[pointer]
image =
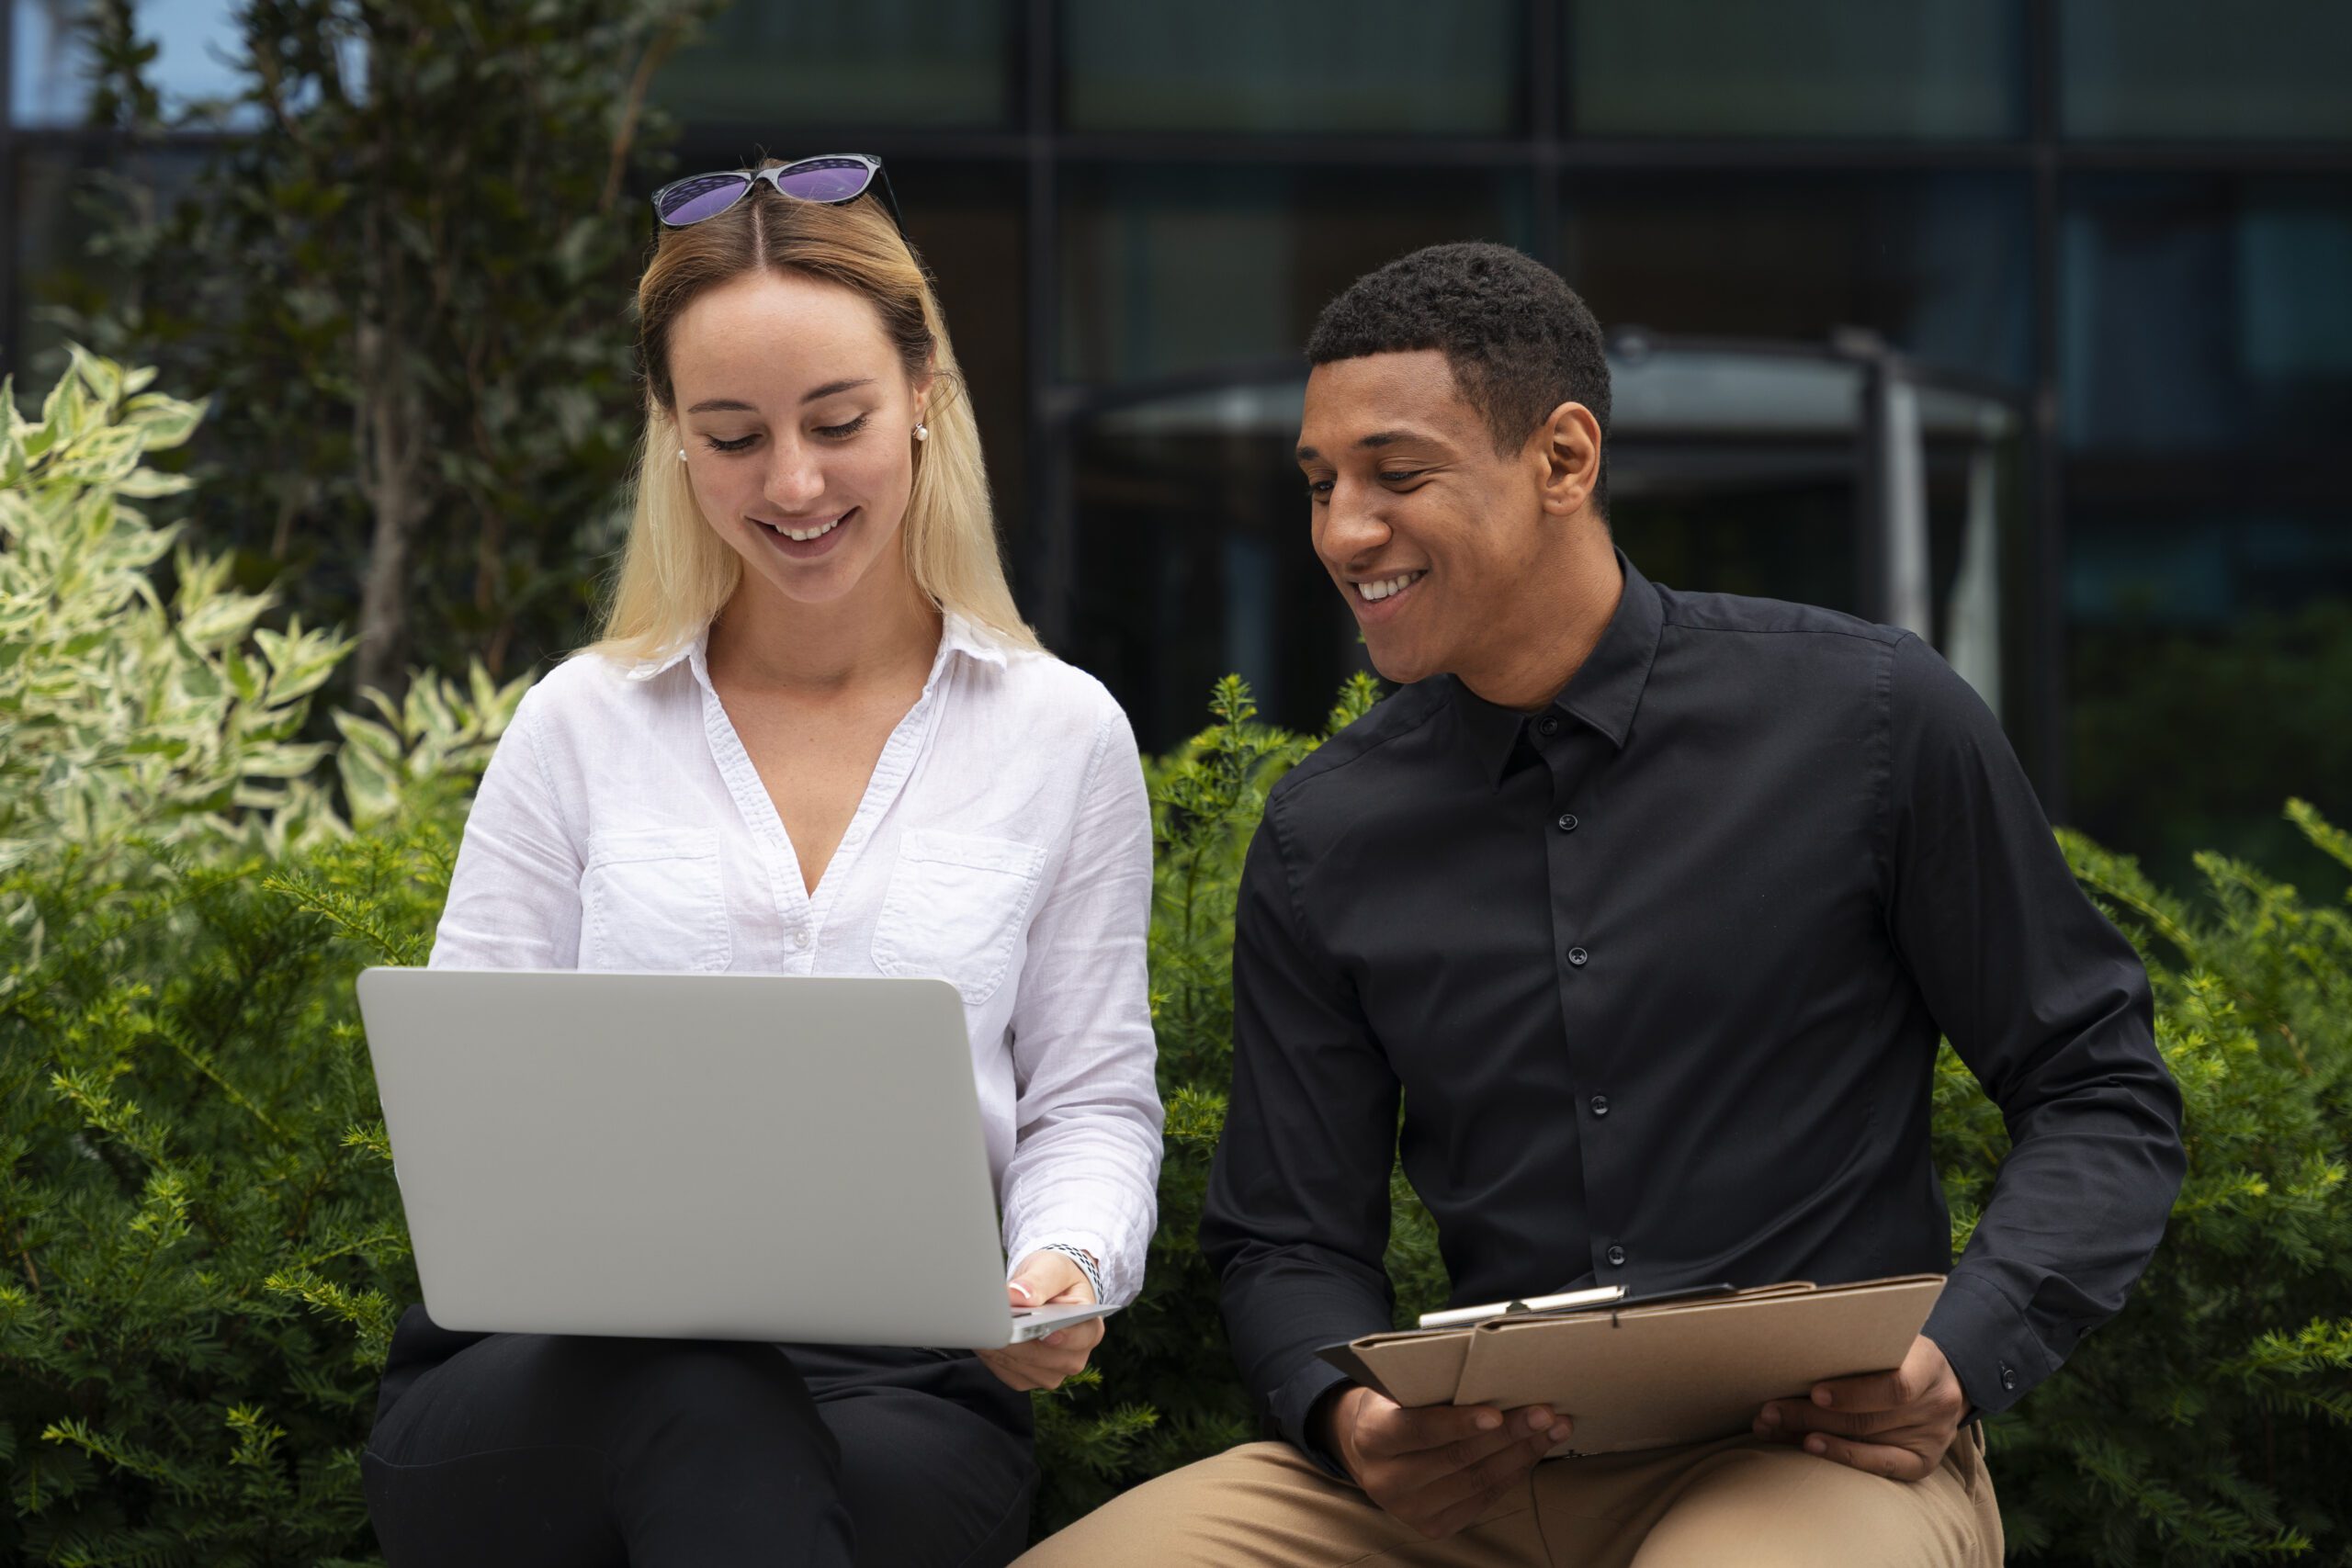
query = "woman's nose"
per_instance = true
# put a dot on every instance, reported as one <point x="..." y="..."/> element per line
<point x="793" y="478"/>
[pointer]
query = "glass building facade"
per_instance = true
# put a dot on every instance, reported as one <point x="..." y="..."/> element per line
<point x="2126" y="222"/>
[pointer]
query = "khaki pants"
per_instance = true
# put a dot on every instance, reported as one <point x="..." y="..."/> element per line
<point x="1739" y="1501"/>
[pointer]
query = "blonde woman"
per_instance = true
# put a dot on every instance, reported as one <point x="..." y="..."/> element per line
<point x="815" y="737"/>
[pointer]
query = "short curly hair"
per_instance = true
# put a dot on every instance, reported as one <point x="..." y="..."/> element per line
<point x="1519" y="339"/>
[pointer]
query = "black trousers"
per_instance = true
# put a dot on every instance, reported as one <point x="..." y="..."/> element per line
<point x="522" y="1449"/>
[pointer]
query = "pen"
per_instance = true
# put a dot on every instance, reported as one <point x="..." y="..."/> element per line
<point x="1462" y="1317"/>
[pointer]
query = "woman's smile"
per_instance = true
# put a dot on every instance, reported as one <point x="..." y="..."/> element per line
<point x="805" y="538"/>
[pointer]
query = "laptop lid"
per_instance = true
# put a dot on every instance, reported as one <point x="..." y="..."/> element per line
<point x="732" y="1157"/>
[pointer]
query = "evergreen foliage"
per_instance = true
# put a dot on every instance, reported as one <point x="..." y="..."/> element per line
<point x="202" y="1252"/>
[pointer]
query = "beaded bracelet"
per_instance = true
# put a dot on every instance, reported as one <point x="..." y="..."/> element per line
<point x="1085" y="1264"/>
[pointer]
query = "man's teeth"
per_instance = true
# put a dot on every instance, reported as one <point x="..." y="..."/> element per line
<point x="1382" y="589"/>
<point x="802" y="537"/>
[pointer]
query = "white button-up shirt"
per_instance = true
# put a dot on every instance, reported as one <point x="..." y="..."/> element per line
<point x="1003" y="844"/>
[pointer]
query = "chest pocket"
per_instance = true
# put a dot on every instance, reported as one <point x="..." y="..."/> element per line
<point x="651" y="899"/>
<point x="954" y="909"/>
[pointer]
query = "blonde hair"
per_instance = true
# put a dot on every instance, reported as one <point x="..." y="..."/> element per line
<point x="675" y="572"/>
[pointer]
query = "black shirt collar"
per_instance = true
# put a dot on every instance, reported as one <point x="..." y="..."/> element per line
<point x="1603" y="693"/>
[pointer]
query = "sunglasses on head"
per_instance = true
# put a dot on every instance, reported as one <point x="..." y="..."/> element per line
<point x="830" y="180"/>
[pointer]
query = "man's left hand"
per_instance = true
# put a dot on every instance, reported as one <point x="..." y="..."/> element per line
<point x="1895" y="1424"/>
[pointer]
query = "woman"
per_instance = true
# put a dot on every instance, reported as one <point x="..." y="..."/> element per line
<point x="815" y="737"/>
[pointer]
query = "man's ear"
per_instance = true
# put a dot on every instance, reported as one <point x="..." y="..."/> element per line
<point x="1570" y="443"/>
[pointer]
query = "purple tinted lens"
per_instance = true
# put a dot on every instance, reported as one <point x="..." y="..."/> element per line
<point x="825" y="182"/>
<point x="692" y="200"/>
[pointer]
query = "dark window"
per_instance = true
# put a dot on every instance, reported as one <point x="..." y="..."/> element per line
<point x="1243" y="66"/>
<point x="2206" y="312"/>
<point x="1821" y="68"/>
<point x="823" y="67"/>
<point x="1187" y="268"/>
<point x="2183" y="69"/>
<point x="1940" y="265"/>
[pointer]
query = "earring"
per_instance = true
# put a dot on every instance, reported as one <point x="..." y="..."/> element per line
<point x="923" y="432"/>
<point x="682" y="454"/>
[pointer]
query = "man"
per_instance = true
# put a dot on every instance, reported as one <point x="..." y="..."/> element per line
<point x="1651" y="907"/>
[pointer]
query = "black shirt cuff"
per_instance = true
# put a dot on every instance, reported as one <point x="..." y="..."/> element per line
<point x="1997" y="1358"/>
<point x="1296" y="1405"/>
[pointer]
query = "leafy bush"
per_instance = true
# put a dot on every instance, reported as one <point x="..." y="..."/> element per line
<point x="203" y="1243"/>
<point x="202" y="1249"/>
<point x="120" y="714"/>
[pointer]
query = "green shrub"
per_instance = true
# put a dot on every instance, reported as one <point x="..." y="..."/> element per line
<point x="202" y="1249"/>
<point x="119" y="712"/>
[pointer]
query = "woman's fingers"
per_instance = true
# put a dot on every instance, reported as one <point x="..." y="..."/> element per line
<point x="1047" y="1276"/>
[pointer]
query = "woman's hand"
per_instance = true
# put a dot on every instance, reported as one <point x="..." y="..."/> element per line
<point x="1045" y="1277"/>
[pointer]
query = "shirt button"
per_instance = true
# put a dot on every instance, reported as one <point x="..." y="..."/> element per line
<point x="800" y="939"/>
<point x="1566" y="821"/>
<point x="1616" y="1257"/>
<point x="1576" y="955"/>
<point x="1547" y="725"/>
<point x="1601" y="1105"/>
<point x="2009" y="1376"/>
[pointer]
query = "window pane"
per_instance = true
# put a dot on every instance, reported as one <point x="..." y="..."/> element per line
<point x="2206" y="377"/>
<point x="878" y="62"/>
<point x="1939" y="265"/>
<point x="1929" y="68"/>
<point x="2193" y="68"/>
<point x="197" y="43"/>
<point x="1300" y="66"/>
<point x="2208" y="312"/>
<point x="1167" y="270"/>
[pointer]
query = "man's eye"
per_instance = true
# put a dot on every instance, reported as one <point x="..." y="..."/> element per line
<point x="738" y="445"/>
<point x="1399" y="478"/>
<point x="1318" y="488"/>
<point x="842" y="432"/>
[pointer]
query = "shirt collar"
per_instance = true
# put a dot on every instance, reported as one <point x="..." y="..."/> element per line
<point x="1602" y="694"/>
<point x="957" y="634"/>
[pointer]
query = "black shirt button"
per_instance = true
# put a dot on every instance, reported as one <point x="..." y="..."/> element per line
<point x="2009" y="1376"/>
<point x="1547" y="725"/>
<point x="1616" y="1257"/>
<point x="1576" y="955"/>
<point x="1566" y="821"/>
<point x="1601" y="1105"/>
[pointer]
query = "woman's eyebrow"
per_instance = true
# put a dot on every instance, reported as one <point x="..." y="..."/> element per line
<point x="832" y="388"/>
<point x="737" y="405"/>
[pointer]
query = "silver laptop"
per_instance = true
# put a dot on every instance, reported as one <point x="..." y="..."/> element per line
<point x="724" y="1156"/>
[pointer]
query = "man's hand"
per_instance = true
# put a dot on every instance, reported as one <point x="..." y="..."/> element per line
<point x="1895" y="1424"/>
<point x="1439" y="1468"/>
<point x="1043" y="1278"/>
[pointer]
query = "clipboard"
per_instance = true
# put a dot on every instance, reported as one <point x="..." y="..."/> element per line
<point x="1648" y="1376"/>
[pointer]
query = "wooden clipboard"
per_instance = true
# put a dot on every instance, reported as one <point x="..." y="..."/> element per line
<point x="1652" y="1376"/>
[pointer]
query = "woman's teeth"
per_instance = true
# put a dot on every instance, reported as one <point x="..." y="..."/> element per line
<point x="1385" y="586"/>
<point x="804" y="535"/>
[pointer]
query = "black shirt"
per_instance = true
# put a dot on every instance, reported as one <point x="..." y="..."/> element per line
<point x="1659" y="976"/>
